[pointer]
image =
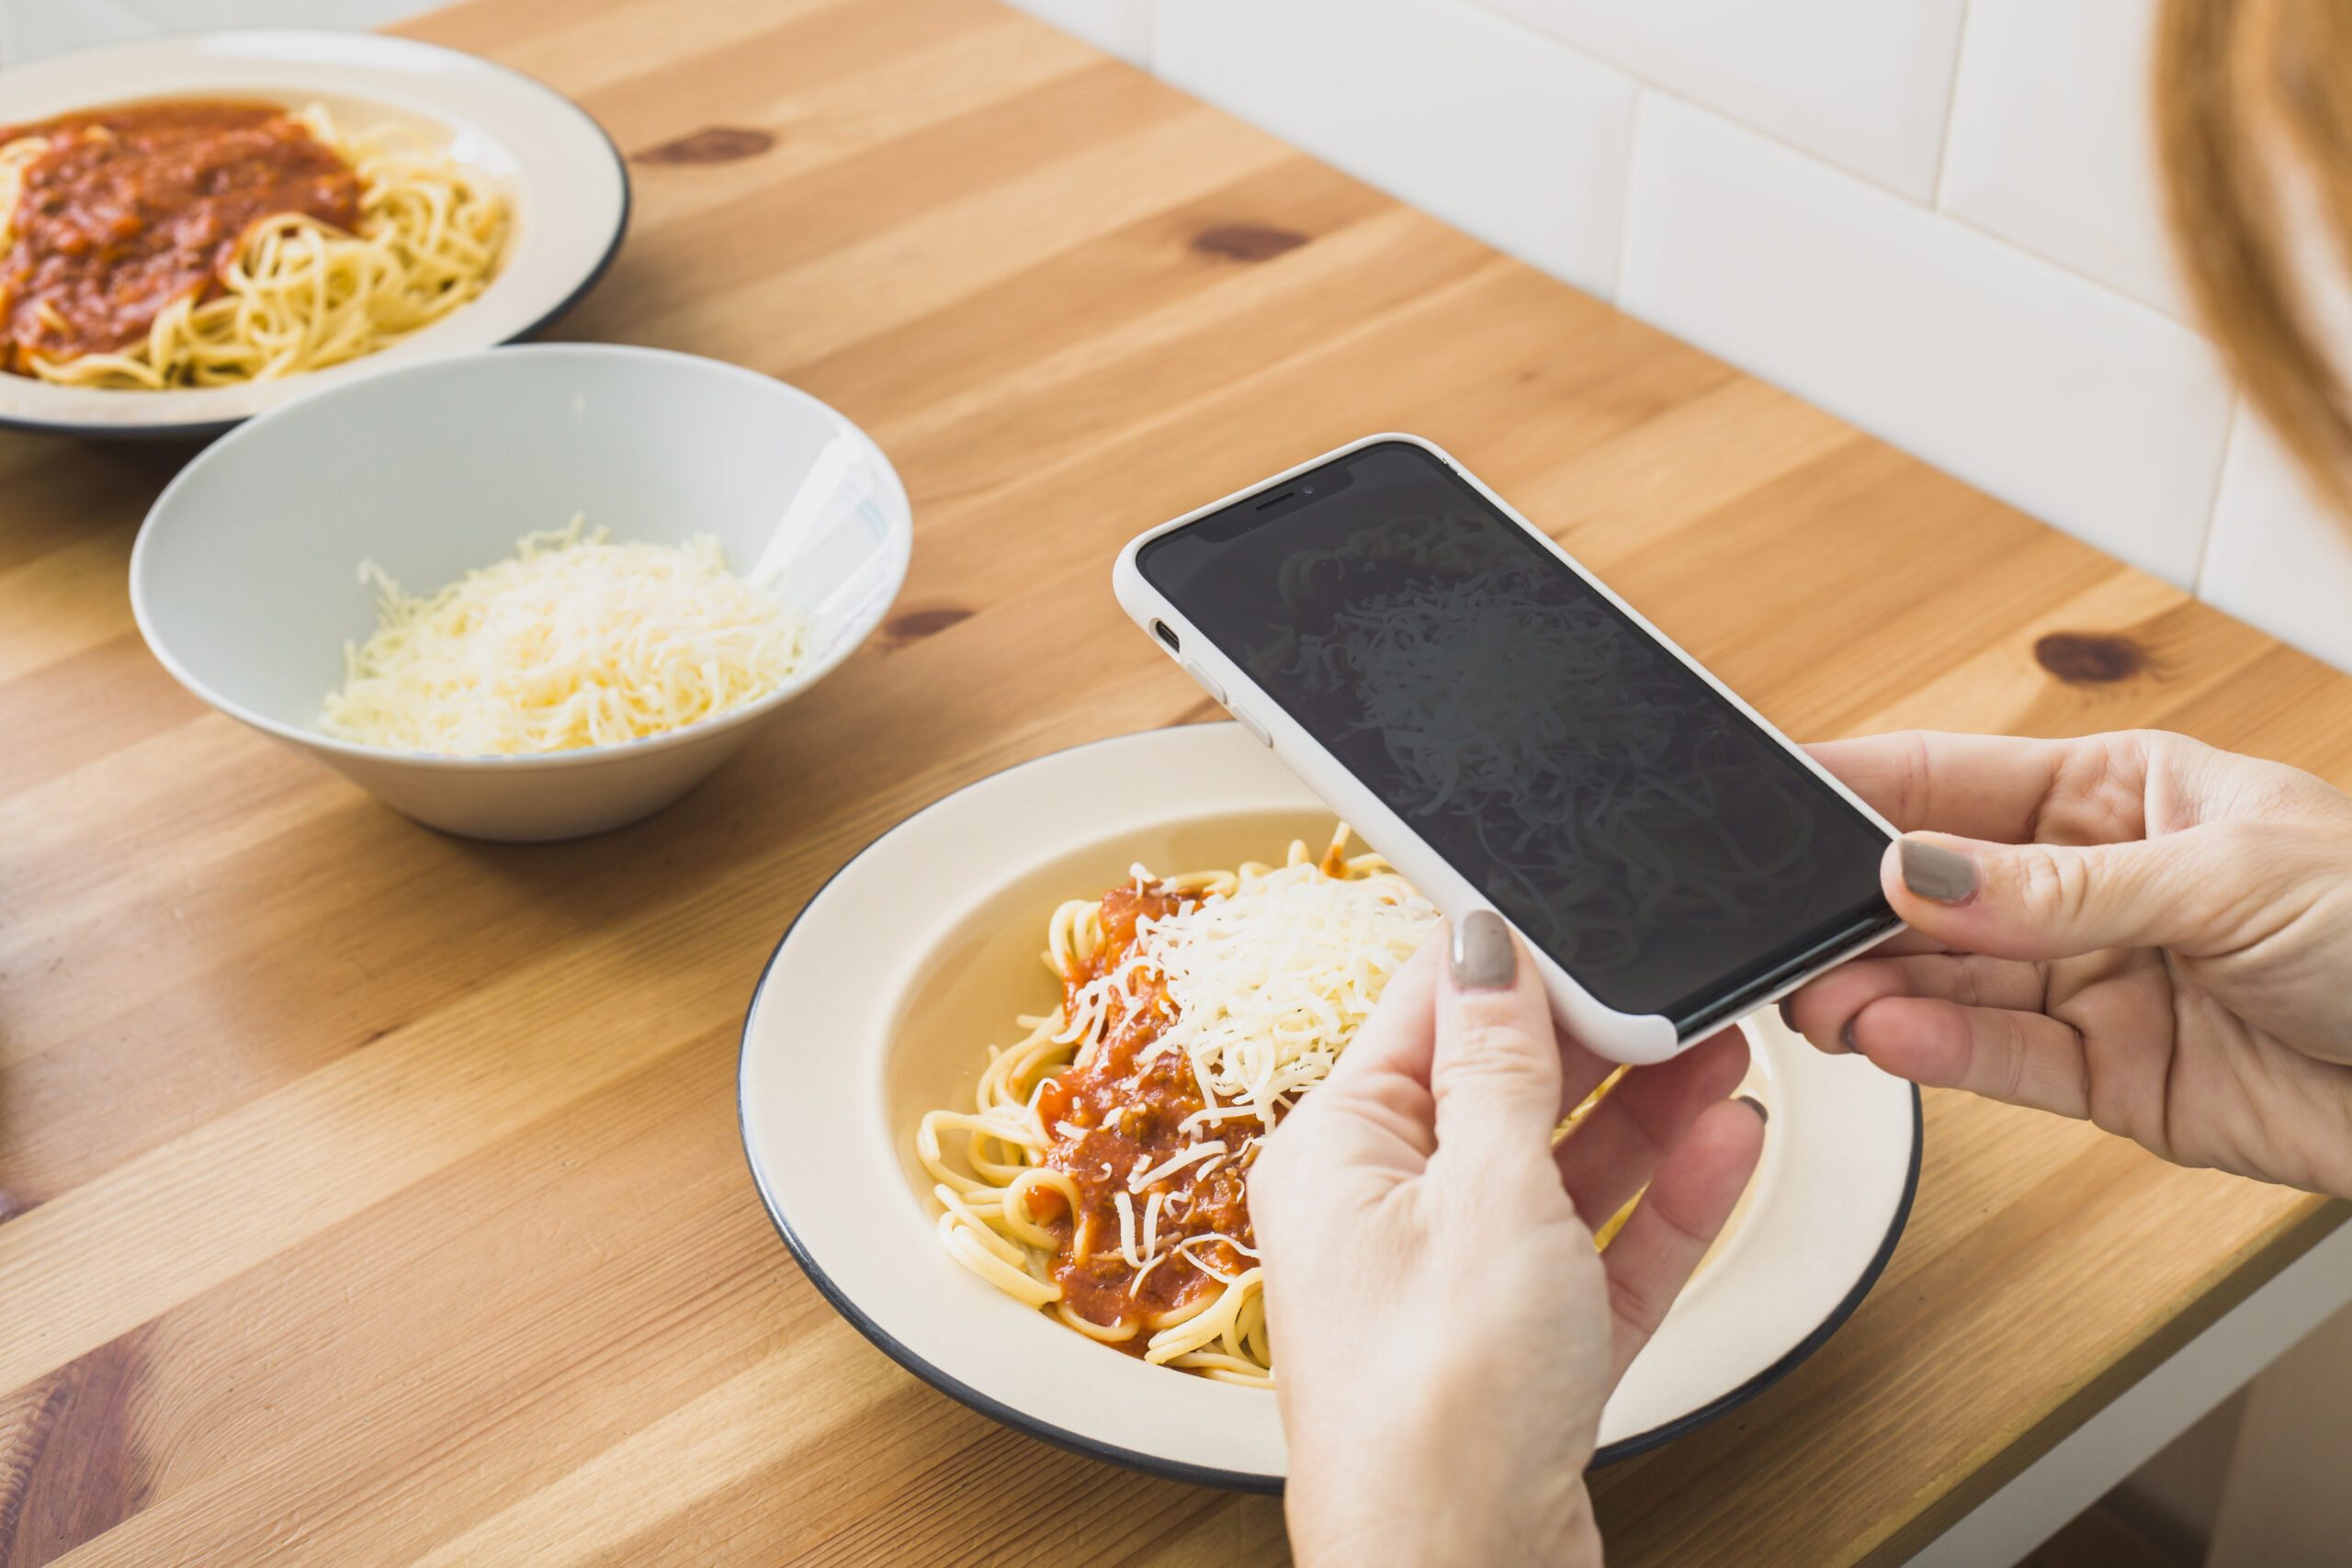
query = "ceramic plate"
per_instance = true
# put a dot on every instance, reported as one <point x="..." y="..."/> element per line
<point x="883" y="997"/>
<point x="563" y="175"/>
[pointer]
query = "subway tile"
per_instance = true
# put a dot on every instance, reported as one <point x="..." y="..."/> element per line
<point x="2052" y="141"/>
<point x="1115" y="27"/>
<point x="1864" y="83"/>
<point x="2067" y="400"/>
<point x="2278" y="557"/>
<point x="1506" y="136"/>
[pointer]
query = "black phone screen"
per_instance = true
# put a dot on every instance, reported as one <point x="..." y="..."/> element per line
<point x="1663" y="850"/>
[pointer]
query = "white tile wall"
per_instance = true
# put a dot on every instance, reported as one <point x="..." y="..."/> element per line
<point x="2063" y="397"/>
<point x="2050" y="142"/>
<point x="2276" y="556"/>
<point x="1937" y="218"/>
<point x="1504" y="134"/>
<point x="1862" y="82"/>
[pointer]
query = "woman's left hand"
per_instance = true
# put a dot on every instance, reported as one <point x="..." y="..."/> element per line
<point x="1445" y="1331"/>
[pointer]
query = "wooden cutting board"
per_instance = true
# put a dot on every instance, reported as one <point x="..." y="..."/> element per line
<point x="368" y="1196"/>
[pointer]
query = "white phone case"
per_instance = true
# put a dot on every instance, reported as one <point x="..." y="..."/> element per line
<point x="1636" y="1038"/>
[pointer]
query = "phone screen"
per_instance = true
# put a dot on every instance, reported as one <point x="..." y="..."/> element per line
<point x="1663" y="850"/>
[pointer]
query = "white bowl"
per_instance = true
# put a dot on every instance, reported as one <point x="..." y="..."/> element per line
<point x="883" y="997"/>
<point x="245" y="578"/>
<point x="567" y="181"/>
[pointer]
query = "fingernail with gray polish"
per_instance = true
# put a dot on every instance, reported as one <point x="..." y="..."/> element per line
<point x="1756" y="1105"/>
<point x="1934" y="872"/>
<point x="1484" y="959"/>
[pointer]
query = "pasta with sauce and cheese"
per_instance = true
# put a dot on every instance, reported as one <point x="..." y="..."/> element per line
<point x="1104" y="1170"/>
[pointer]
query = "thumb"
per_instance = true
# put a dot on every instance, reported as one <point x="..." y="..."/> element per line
<point x="1495" y="1071"/>
<point x="2037" y="901"/>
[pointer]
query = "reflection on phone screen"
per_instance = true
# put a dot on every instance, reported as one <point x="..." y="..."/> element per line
<point x="1631" y="822"/>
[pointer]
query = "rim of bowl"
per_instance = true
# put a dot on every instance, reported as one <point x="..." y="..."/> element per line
<point x="902" y="531"/>
<point x="198" y="429"/>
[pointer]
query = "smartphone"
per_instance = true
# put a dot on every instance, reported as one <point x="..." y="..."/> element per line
<point x="1512" y="736"/>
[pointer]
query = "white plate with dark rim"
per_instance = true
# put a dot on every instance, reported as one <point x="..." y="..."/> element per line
<point x="880" y="1002"/>
<point x="567" y="182"/>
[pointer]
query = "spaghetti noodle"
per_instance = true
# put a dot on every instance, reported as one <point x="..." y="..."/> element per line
<point x="1104" y="1165"/>
<point x="200" y="244"/>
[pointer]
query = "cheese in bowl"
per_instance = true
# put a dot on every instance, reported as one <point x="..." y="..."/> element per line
<point x="579" y="682"/>
<point x="570" y="642"/>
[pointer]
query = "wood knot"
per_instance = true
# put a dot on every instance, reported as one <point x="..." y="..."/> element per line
<point x="711" y="144"/>
<point x="916" y="624"/>
<point x="71" y="1464"/>
<point x="2090" y="659"/>
<point x="1246" y="242"/>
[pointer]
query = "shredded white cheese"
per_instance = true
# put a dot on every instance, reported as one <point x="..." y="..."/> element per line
<point x="1184" y="1249"/>
<point x="1173" y="1164"/>
<point x="1211" y="1270"/>
<point x="1127" y="1230"/>
<point x="570" y="642"/>
<point x="1269" y="983"/>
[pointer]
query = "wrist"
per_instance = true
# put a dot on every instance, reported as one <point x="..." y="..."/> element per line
<point x="1396" y="1489"/>
<point x="1358" y="1525"/>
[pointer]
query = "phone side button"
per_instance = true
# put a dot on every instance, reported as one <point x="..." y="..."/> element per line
<point x="1241" y="716"/>
<point x="1201" y="679"/>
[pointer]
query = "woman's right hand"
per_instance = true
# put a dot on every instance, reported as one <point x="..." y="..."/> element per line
<point x="2135" y="928"/>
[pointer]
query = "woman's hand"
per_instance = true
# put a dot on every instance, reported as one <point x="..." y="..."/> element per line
<point x="2136" y="929"/>
<point x="1444" y="1331"/>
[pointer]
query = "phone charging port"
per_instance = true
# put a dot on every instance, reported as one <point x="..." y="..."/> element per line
<point x="1159" y="629"/>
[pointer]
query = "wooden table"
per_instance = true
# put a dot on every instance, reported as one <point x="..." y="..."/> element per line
<point x="374" y="1197"/>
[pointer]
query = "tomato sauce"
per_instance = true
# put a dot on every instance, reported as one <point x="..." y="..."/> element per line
<point x="1116" y="1111"/>
<point x="130" y="210"/>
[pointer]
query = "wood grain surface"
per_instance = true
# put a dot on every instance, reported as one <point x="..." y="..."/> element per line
<point x="373" y="1197"/>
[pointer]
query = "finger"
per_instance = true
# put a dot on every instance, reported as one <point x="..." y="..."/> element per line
<point x="1581" y="1071"/>
<point x="1821" y="1011"/>
<point x="2061" y="900"/>
<point x="2019" y="1058"/>
<point x="1618" y="1147"/>
<point x="1399" y="1036"/>
<point x="1987" y="787"/>
<point x="1380" y="1086"/>
<point x="1496" y="1070"/>
<point x="1670" y="1229"/>
<point x="1904" y="942"/>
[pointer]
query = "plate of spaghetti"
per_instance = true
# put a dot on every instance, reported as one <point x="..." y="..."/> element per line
<point x="1005" y="1078"/>
<point x="195" y="228"/>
